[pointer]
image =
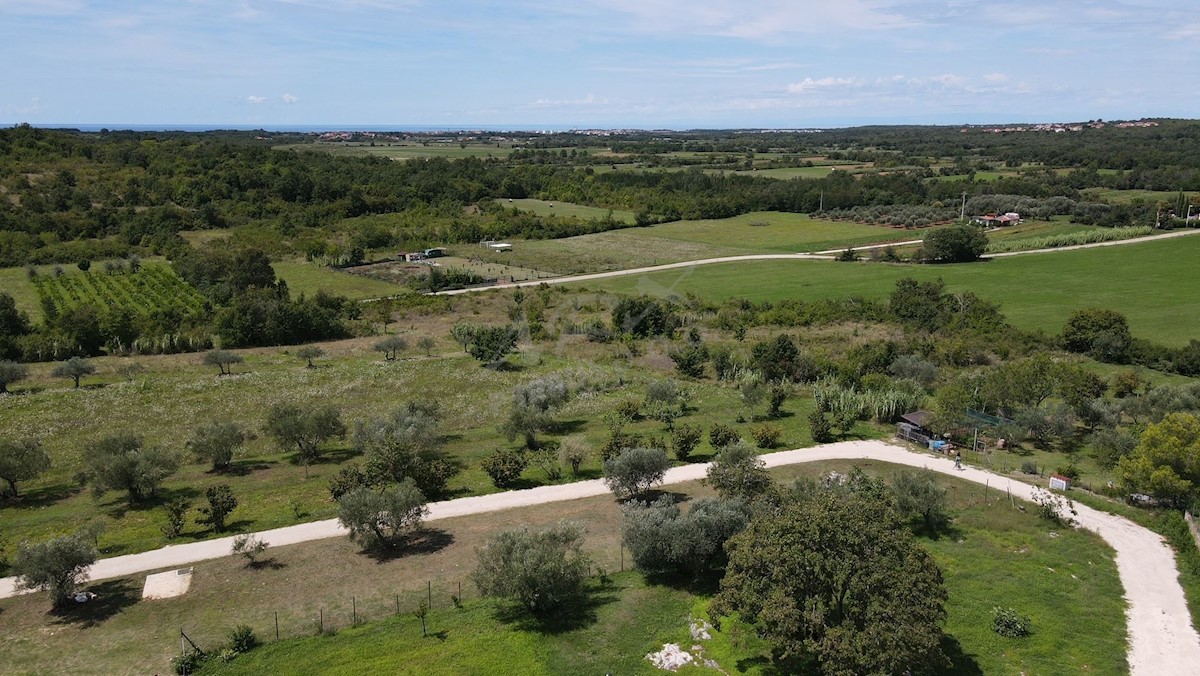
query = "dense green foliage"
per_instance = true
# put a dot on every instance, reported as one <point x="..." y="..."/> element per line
<point x="57" y="565"/>
<point x="834" y="579"/>
<point x="377" y="519"/>
<point x="544" y="571"/>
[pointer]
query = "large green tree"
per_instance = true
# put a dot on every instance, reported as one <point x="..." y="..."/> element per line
<point x="123" y="462"/>
<point x="58" y="565"/>
<point x="834" y="580"/>
<point x="1166" y="463"/>
<point x="304" y="428"/>
<point x="954" y="244"/>
<point x="21" y="460"/>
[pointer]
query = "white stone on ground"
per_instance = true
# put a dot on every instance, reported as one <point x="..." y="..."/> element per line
<point x="671" y="657"/>
<point x="167" y="585"/>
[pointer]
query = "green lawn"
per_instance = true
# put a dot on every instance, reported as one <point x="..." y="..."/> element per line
<point x="760" y="232"/>
<point x="15" y="282"/>
<point x="308" y="278"/>
<point x="1128" y="196"/>
<point x="1145" y="281"/>
<point x="566" y="209"/>
<point x="994" y="555"/>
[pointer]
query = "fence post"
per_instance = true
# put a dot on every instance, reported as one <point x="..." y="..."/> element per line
<point x="429" y="593"/>
<point x="353" y="611"/>
<point x="321" y="623"/>
<point x="622" y="558"/>
<point x="397" y="604"/>
<point x="276" y="625"/>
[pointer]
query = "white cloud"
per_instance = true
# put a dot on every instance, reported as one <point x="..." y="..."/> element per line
<point x="995" y="78"/>
<point x="42" y="7"/>
<point x="289" y="98"/>
<point x="32" y="108"/>
<point x="256" y="100"/>
<point x="809" y="85"/>
<point x="758" y="20"/>
<point x="589" y="100"/>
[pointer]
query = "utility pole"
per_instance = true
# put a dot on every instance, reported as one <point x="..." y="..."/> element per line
<point x="822" y="201"/>
<point x="962" y="216"/>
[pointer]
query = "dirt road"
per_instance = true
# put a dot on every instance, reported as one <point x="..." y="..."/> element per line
<point x="1161" y="637"/>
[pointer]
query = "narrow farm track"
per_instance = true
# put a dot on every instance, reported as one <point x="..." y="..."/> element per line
<point x="819" y="255"/>
<point x="1162" y="639"/>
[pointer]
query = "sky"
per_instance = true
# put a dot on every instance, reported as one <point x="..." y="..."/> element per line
<point x="524" y="64"/>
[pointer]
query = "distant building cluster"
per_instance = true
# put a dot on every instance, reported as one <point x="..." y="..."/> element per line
<point x="1059" y="128"/>
<point x="997" y="220"/>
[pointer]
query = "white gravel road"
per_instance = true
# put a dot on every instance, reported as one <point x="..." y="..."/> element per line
<point x="1162" y="639"/>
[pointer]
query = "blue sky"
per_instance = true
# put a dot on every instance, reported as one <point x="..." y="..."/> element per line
<point x="595" y="63"/>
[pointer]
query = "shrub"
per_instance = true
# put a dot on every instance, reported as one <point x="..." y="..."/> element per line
<point x="1010" y="624"/>
<point x="1054" y="508"/>
<point x="572" y="453"/>
<point x="505" y="466"/>
<point x="221" y="502"/>
<point x="684" y="439"/>
<point x="543" y="571"/>
<point x="242" y="639"/>
<point x="629" y="408"/>
<point x="819" y="427"/>
<point x="249" y="546"/>
<point x="766" y="435"/>
<point x="662" y="539"/>
<point x="737" y="472"/>
<point x="189" y="662"/>
<point x="920" y="497"/>
<point x="635" y="470"/>
<point x="1030" y="467"/>
<point x="176" y="517"/>
<point x="721" y="436"/>
<point x="217" y="443"/>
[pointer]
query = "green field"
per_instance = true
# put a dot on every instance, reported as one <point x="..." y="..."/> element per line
<point x="761" y="232"/>
<point x="153" y="287"/>
<point x="309" y="278"/>
<point x="566" y="209"/>
<point x="994" y="556"/>
<point x="1145" y="281"/>
<point x="15" y="282"/>
<point x="1129" y="196"/>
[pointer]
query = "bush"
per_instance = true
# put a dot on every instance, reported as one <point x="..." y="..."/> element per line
<point x="187" y="663"/>
<point x="1054" y="508"/>
<point x="121" y="462"/>
<point x="250" y="546"/>
<point x="737" y="472"/>
<point x="628" y="408"/>
<point x="572" y="453"/>
<point x="819" y="427"/>
<point x="505" y="466"/>
<point x="543" y="571"/>
<point x="684" y="439"/>
<point x="176" y="517"/>
<point x="1010" y="624"/>
<point x="1030" y="467"/>
<point x="221" y="502"/>
<point x="766" y="435"/>
<point x="217" y="443"/>
<point x="721" y="436"/>
<point x="635" y="471"/>
<point x="242" y="639"/>
<point x="920" y="497"/>
<point x="662" y="539"/>
<point x="954" y="244"/>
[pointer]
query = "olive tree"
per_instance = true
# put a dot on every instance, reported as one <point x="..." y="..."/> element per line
<point x="304" y="428"/>
<point x="532" y="407"/>
<point x="74" y="368"/>
<point x="543" y="571"/>
<point x="391" y="347"/>
<point x="222" y="359"/>
<point x="635" y="470"/>
<point x="221" y="501"/>
<point x="58" y="565"/>
<point x="664" y="539"/>
<point x="11" y="372"/>
<point x="217" y="443"/>
<point x="407" y="444"/>
<point x="919" y="497"/>
<point x="21" y="460"/>
<point x="308" y="353"/>
<point x="123" y="462"/>
<point x="377" y="519"/>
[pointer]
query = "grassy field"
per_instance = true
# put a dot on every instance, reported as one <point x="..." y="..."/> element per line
<point x="174" y="394"/>
<point x="309" y="278"/>
<point x="1128" y="196"/>
<point x="566" y="209"/>
<point x="1035" y="292"/>
<point x="761" y="232"/>
<point x="802" y="172"/>
<point x="993" y="556"/>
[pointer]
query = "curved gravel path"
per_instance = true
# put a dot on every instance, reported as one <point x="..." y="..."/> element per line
<point x="817" y="256"/>
<point x="1162" y="639"/>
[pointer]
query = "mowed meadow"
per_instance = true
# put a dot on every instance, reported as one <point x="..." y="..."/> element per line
<point x="1154" y="284"/>
<point x="992" y="555"/>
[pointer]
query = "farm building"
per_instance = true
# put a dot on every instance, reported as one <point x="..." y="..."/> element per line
<point x="500" y="246"/>
<point x="436" y="252"/>
<point x="1010" y="218"/>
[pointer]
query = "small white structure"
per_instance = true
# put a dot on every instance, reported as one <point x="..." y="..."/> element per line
<point x="1059" y="482"/>
<point x="500" y="246"/>
<point x="167" y="585"/>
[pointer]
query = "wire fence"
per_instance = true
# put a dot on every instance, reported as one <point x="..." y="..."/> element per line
<point x="330" y="614"/>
